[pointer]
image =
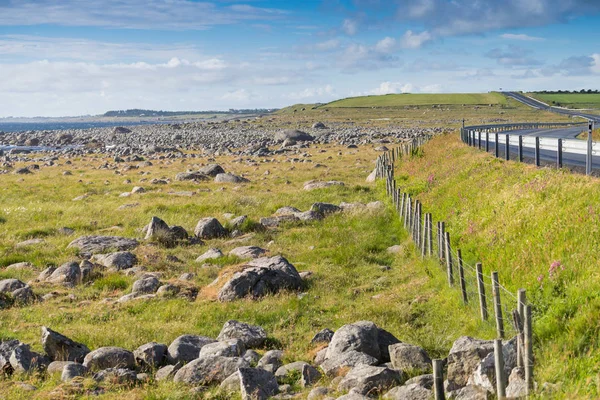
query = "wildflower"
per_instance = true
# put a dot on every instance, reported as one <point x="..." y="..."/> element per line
<point x="540" y="278"/>
<point x="554" y="268"/>
<point x="430" y="179"/>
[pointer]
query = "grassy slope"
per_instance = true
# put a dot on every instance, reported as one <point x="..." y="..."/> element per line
<point x="570" y="100"/>
<point x="398" y="100"/>
<point x="518" y="220"/>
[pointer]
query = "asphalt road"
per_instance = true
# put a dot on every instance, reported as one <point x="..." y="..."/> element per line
<point x="541" y="106"/>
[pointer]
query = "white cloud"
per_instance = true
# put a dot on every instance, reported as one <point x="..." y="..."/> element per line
<point x="328" y="45"/>
<point x="411" y="40"/>
<point x="323" y="93"/>
<point x="239" y="95"/>
<point x="392" y="88"/>
<point x="596" y="66"/>
<point x="386" y="45"/>
<point x="522" y="37"/>
<point x="350" y="27"/>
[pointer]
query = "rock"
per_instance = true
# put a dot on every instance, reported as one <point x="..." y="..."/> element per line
<point x="120" y="260"/>
<point x="191" y="176"/>
<point x="323" y="336"/>
<point x="68" y="274"/>
<point x="102" y="244"/>
<point x="257" y="384"/>
<point x="407" y="357"/>
<point x="422" y="380"/>
<point x="309" y="215"/>
<point x="293" y="134"/>
<point x="210" y="255"/>
<point x="320" y="356"/>
<point x="484" y="374"/>
<point x="157" y="229"/>
<point x="251" y="356"/>
<point x="56" y="367"/>
<point x="246" y="252"/>
<point x="360" y="336"/>
<point x="138" y="189"/>
<point x="10" y="285"/>
<point x="271" y="222"/>
<point x="71" y="371"/>
<point x="61" y="348"/>
<point x="318" y="393"/>
<point x="312" y="185"/>
<point x="212" y="170"/>
<point x="325" y="208"/>
<point x="19" y="266"/>
<point x="309" y="375"/>
<point x="372" y="176"/>
<point x="23" y="360"/>
<point x="470" y="392"/>
<point x="167" y="372"/>
<point x="151" y="355"/>
<point x="66" y="231"/>
<point x="148" y="284"/>
<point x="23" y="296"/>
<point x="231" y="384"/>
<point x="230" y="178"/>
<point x="409" y="392"/>
<point x="22" y="171"/>
<point x="396" y="249"/>
<point x="319" y="125"/>
<point x="287" y="210"/>
<point x="135" y="296"/>
<point x="385" y="340"/>
<point x="168" y="290"/>
<point x="120" y="376"/>
<point x="370" y="380"/>
<point x="252" y="336"/>
<point x="464" y="357"/>
<point x="225" y="348"/>
<point x="120" y="129"/>
<point x="30" y="242"/>
<point x="353" y="396"/>
<point x="271" y="361"/>
<point x="205" y="371"/>
<point x="186" y="348"/>
<point x="209" y="228"/>
<point x="517" y="387"/>
<point x="109" y="357"/>
<point x="333" y="365"/>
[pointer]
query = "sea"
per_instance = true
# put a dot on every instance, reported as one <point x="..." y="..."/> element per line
<point x="52" y="126"/>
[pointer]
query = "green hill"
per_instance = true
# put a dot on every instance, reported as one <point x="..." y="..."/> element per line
<point x="400" y="100"/>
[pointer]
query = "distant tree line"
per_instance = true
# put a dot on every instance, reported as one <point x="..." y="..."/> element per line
<point x="153" y="113"/>
<point x="582" y="91"/>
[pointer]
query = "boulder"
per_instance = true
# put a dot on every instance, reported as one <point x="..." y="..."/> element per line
<point x="230" y="178"/>
<point x="247" y="252"/>
<point x="312" y="185"/>
<point x="120" y="376"/>
<point x="210" y="254"/>
<point x="272" y="222"/>
<point x="325" y="208"/>
<point x="517" y="387"/>
<point x="252" y="336"/>
<point x="157" y="229"/>
<point x="109" y="357"/>
<point x="151" y="355"/>
<point x="119" y="261"/>
<point x="191" y="176"/>
<point x="231" y="384"/>
<point x="319" y="125"/>
<point x="212" y="170"/>
<point x="73" y="370"/>
<point x="293" y="134"/>
<point x="257" y="384"/>
<point x="56" y="367"/>
<point x="370" y="380"/>
<point x="385" y="340"/>
<point x="208" y="370"/>
<point x="271" y="360"/>
<point x="334" y="364"/>
<point x="360" y="336"/>
<point x="287" y="210"/>
<point x="61" y="348"/>
<point x="23" y="296"/>
<point x="323" y="336"/>
<point x="68" y="274"/>
<point x="407" y="357"/>
<point x="309" y="215"/>
<point x="261" y="277"/>
<point x="186" y="348"/>
<point x="484" y="374"/>
<point x="412" y="391"/>
<point x="225" y="348"/>
<point x="209" y="228"/>
<point x="470" y="392"/>
<point x="147" y="284"/>
<point x="10" y="285"/>
<point x="167" y="372"/>
<point x="23" y="360"/>
<point x="102" y="244"/>
<point x="372" y="176"/>
<point x="309" y="375"/>
<point x="464" y="357"/>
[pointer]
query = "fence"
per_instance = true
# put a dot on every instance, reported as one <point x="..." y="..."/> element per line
<point x="484" y="136"/>
<point x="511" y="313"/>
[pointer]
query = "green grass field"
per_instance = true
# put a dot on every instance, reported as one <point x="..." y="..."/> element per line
<point x="402" y="100"/>
<point x="570" y="100"/>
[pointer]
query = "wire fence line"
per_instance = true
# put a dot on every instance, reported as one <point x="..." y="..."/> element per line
<point x="510" y="313"/>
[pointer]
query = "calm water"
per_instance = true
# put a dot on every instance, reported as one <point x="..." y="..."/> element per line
<point x="51" y="126"/>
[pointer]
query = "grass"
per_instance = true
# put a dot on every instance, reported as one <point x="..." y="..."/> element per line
<point x="595" y="135"/>
<point x="539" y="229"/>
<point x="401" y="100"/>
<point x="570" y="100"/>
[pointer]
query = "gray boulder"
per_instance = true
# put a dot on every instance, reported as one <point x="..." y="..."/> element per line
<point x="517" y="387"/>
<point x="186" y="348"/>
<point x="102" y="244"/>
<point x="484" y="374"/>
<point x="68" y="274"/>
<point x="293" y="134"/>
<point x="61" y="348"/>
<point x="313" y="185"/>
<point x="360" y="336"/>
<point x="470" y="392"/>
<point x="246" y="252"/>
<point x="230" y="178"/>
<point x="157" y="229"/>
<point x="23" y="360"/>
<point x="167" y="372"/>
<point x="109" y="357"/>
<point x="120" y="260"/>
<point x="209" y="228"/>
<point x="325" y="208"/>
<point x="257" y="384"/>
<point x="121" y="376"/>
<point x="271" y="360"/>
<point x="412" y="391"/>
<point x="323" y="336"/>
<point x="464" y="357"/>
<point x="147" y="284"/>
<point x="370" y="380"/>
<point x="23" y="296"/>
<point x="73" y="370"/>
<point x="151" y="355"/>
<point x="333" y="365"/>
<point x="225" y="348"/>
<point x="252" y="336"/>
<point x="191" y="176"/>
<point x="208" y="370"/>
<point x="231" y="384"/>
<point x="56" y="367"/>
<point x="407" y="357"/>
<point x="212" y="170"/>
<point x="309" y="375"/>
<point x="272" y="222"/>
<point x="209" y="255"/>
<point x="10" y="285"/>
<point x="261" y="277"/>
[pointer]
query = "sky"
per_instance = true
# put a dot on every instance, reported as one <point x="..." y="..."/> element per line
<point x="82" y="57"/>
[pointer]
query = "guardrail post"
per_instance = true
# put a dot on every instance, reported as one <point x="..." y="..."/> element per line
<point x="496" y="144"/>
<point x="588" y="164"/>
<point x="481" y="291"/>
<point x="479" y="140"/>
<point x="520" y="148"/>
<point x="537" y="151"/>
<point x="559" y="162"/>
<point x="507" y="147"/>
<point x="487" y="141"/>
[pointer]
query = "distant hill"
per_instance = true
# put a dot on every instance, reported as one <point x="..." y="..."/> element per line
<point x="154" y="113"/>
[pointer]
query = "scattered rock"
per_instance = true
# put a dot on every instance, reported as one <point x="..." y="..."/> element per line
<point x="246" y="252"/>
<point x="209" y="228"/>
<point x="119" y="261"/>
<point x="72" y="371"/>
<point x="257" y="384"/>
<point x="187" y="348"/>
<point x="61" y="348"/>
<point x="204" y="371"/>
<point x="370" y="380"/>
<point x="210" y="255"/>
<point x="102" y="244"/>
<point x="109" y="357"/>
<point x="151" y="355"/>
<point x="252" y="336"/>
<point x="230" y="178"/>
<point x="312" y="185"/>
<point x="407" y="357"/>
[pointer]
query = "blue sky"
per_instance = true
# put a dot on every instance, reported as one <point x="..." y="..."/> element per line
<point x="78" y="57"/>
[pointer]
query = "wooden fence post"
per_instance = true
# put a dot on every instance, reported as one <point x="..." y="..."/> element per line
<point x="461" y="274"/>
<point x="499" y="362"/>
<point x="528" y="349"/>
<point x="521" y="301"/>
<point x="438" y="379"/>
<point x="449" y="259"/>
<point x="481" y="290"/>
<point x="497" y="305"/>
<point x="430" y="235"/>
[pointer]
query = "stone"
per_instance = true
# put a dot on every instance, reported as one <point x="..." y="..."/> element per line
<point x="225" y="348"/>
<point x="209" y="228"/>
<point x="252" y="336"/>
<point x="320" y="356"/>
<point x="370" y="380"/>
<point x="309" y="375"/>
<point x="230" y="178"/>
<point x="23" y="360"/>
<point x="56" y="367"/>
<point x="72" y="370"/>
<point x="246" y="252"/>
<point x="422" y="380"/>
<point x="409" y="392"/>
<point x="287" y="368"/>
<point x="210" y="254"/>
<point x="147" y="284"/>
<point x="138" y="189"/>
<point x="293" y="134"/>
<point x="231" y="384"/>
<point x="30" y="242"/>
<point x="464" y="357"/>
<point x="157" y="229"/>
<point x="212" y="170"/>
<point x="272" y="222"/>
<point x="484" y="374"/>
<point x="360" y="336"/>
<point x="168" y="290"/>
<point x="251" y="356"/>
<point x="517" y="387"/>
<point x="102" y="244"/>
<point x="271" y="361"/>
<point x="19" y="266"/>
<point x="287" y="210"/>
<point x="119" y="261"/>
<point x="353" y="396"/>
<point x="10" y="285"/>
<point x="61" y="348"/>
<point x="186" y="348"/>
<point x="372" y="176"/>
<point x="312" y="185"/>
<point x="151" y="355"/>
<point x="23" y="296"/>
<point x="191" y="176"/>
<point x="205" y="371"/>
<point x="470" y="392"/>
<point x="325" y="208"/>
<point x="261" y="277"/>
<point x="120" y="376"/>
<point x="257" y="384"/>
<point x="319" y="125"/>
<point x="407" y="357"/>
<point x="167" y="372"/>
<point x="68" y="274"/>
<point x="333" y="365"/>
<point x="318" y="393"/>
<point x="385" y="339"/>
<point x="109" y="357"/>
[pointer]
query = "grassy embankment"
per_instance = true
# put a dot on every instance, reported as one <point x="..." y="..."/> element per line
<point x="540" y="229"/>
<point x="570" y="100"/>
